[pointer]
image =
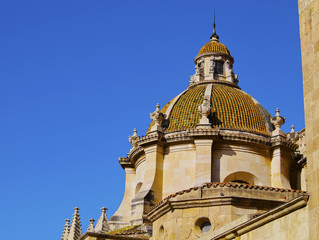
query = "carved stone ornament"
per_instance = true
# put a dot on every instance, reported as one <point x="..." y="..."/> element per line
<point x="157" y="118"/>
<point x="278" y="121"/>
<point x="134" y="138"/>
<point x="212" y="64"/>
<point x="293" y="135"/>
<point x="204" y="109"/>
<point x="196" y="70"/>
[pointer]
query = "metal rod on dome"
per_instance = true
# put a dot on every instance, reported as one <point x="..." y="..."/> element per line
<point x="214" y="25"/>
<point x="214" y="36"/>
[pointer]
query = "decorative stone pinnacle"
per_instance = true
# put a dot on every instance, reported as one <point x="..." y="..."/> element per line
<point x="66" y="230"/>
<point x="76" y="230"/>
<point x="157" y="117"/>
<point x="102" y="225"/>
<point x="91" y="226"/>
<point x="278" y="121"/>
<point x="293" y="135"/>
<point x="134" y="138"/>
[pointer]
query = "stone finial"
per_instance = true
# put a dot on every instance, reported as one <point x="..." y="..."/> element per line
<point x="134" y="138"/>
<point x="292" y="135"/>
<point x="204" y="109"/>
<point x="157" y="117"/>
<point x="76" y="230"/>
<point x="102" y="224"/>
<point x="278" y="121"/>
<point x="91" y="226"/>
<point x="66" y="230"/>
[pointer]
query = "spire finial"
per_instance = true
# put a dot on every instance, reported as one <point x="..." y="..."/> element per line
<point x="91" y="226"/>
<point x="214" y="36"/>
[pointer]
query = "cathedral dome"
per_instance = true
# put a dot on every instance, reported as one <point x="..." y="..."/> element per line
<point x="231" y="108"/>
<point x="213" y="98"/>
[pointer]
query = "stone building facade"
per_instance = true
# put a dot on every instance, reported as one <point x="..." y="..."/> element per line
<point x="214" y="164"/>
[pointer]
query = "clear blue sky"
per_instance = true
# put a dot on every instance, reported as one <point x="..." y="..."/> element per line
<point x="78" y="76"/>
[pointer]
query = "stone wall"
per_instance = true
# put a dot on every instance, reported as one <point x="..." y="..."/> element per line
<point x="309" y="35"/>
<point x="292" y="226"/>
<point x="184" y="214"/>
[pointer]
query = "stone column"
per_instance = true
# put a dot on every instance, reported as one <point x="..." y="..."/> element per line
<point x="280" y="166"/>
<point x="203" y="164"/>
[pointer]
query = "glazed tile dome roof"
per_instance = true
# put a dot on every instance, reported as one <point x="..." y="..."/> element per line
<point x="231" y="108"/>
<point x="215" y="47"/>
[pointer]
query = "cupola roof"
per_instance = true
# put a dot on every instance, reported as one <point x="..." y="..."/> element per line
<point x="214" y="47"/>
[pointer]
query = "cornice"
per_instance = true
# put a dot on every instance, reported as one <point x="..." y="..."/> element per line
<point x="151" y="137"/>
<point x="125" y="162"/>
<point x="216" y="134"/>
<point x="135" y="153"/>
<point x="282" y="141"/>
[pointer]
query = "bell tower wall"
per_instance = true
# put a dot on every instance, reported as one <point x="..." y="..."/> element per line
<point x="309" y="35"/>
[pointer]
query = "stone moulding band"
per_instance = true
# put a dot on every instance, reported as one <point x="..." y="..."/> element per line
<point x="209" y="202"/>
<point x="220" y="185"/>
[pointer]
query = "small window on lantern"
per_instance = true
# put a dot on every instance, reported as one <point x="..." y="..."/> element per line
<point x="219" y="67"/>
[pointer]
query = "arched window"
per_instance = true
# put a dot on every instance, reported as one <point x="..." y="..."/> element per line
<point x="242" y="177"/>
<point x="239" y="181"/>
